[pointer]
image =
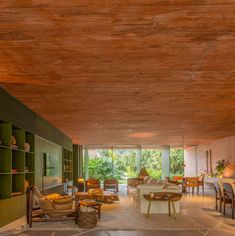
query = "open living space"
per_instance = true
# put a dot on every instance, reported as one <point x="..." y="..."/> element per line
<point x="117" y="118"/>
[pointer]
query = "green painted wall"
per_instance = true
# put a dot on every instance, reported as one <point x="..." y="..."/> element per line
<point x="12" y="209"/>
<point x="45" y="146"/>
<point x="15" y="112"/>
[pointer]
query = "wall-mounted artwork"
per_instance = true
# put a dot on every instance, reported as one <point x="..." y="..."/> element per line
<point x="209" y="168"/>
<point x="50" y="165"/>
<point x="207" y="161"/>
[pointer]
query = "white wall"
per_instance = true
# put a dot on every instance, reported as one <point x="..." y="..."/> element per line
<point x="220" y="149"/>
<point x="190" y="161"/>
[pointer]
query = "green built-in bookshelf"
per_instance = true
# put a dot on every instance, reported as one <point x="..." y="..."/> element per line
<point x="17" y="160"/>
<point x="67" y="165"/>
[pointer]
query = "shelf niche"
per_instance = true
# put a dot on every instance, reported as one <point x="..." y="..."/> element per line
<point x="17" y="160"/>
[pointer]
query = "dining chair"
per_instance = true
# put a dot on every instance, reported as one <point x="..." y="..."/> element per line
<point x="191" y="182"/>
<point x="200" y="180"/>
<point x="228" y="196"/>
<point x="218" y="196"/>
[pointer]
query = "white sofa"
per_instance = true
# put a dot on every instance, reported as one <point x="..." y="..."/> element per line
<point x="136" y="194"/>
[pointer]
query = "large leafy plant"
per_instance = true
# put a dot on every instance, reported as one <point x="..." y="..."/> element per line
<point x="220" y="167"/>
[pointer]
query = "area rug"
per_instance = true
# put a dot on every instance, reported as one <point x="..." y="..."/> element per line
<point x="111" y="233"/>
<point x="197" y="217"/>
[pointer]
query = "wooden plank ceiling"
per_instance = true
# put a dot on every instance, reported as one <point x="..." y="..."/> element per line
<point x="123" y="72"/>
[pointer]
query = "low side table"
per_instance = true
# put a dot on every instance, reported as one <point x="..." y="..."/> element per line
<point x="91" y="203"/>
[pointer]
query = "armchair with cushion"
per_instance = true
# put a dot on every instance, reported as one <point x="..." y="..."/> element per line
<point x="54" y="206"/>
<point x="92" y="183"/>
<point x="111" y="184"/>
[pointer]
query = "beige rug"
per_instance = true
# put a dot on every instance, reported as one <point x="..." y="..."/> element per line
<point x="197" y="215"/>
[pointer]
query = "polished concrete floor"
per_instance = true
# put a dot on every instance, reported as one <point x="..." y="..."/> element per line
<point x="114" y="233"/>
<point x="198" y="217"/>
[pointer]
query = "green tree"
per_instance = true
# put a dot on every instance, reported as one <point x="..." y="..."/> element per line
<point x="152" y="161"/>
<point x="176" y="162"/>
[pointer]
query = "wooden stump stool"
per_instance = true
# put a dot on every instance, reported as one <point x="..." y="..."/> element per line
<point x="87" y="219"/>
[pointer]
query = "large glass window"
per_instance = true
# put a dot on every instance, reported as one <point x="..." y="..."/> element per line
<point x="126" y="163"/>
<point x="152" y="161"/>
<point x="176" y="162"/>
<point x="108" y="163"/>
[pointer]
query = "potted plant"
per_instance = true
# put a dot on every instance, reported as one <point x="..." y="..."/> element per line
<point x="221" y="165"/>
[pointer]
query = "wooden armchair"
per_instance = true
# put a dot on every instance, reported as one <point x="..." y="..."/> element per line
<point x="54" y="206"/>
<point x="92" y="183"/>
<point x="111" y="184"/>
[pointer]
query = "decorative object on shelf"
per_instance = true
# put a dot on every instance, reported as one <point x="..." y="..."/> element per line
<point x="26" y="169"/>
<point x="0" y="142"/>
<point x="13" y="140"/>
<point x="14" y="146"/>
<point x="27" y="147"/>
<point x="220" y="167"/>
<point x="13" y="170"/>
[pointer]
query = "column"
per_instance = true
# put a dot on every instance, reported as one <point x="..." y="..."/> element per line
<point x="75" y="163"/>
<point x="80" y="171"/>
<point x="86" y="163"/>
<point x="138" y="159"/>
<point x="165" y="161"/>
